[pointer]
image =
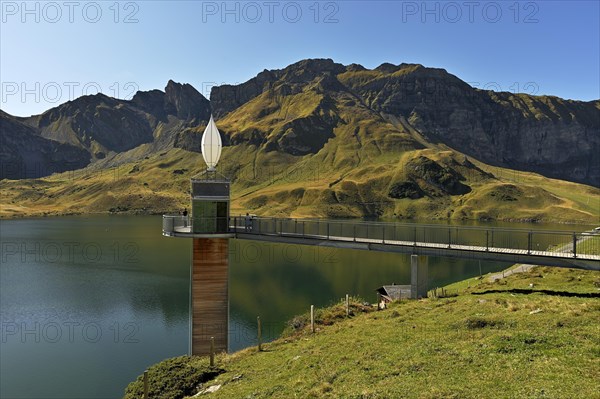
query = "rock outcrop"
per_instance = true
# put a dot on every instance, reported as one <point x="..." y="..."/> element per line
<point x="25" y="154"/>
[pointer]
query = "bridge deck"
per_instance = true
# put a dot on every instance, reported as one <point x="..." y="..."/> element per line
<point x="552" y="248"/>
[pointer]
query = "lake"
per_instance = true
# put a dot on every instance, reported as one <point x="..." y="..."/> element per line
<point x="87" y="303"/>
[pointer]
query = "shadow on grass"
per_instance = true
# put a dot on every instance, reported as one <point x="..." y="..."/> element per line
<point x="546" y="292"/>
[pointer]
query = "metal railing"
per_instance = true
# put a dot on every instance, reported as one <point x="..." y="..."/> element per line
<point x="527" y="241"/>
<point x="524" y="240"/>
<point x="173" y="224"/>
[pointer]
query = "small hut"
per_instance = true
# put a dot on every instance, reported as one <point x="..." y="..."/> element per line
<point x="389" y="293"/>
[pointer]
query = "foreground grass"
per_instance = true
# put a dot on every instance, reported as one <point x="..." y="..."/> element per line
<point x="501" y="340"/>
<point x="173" y="378"/>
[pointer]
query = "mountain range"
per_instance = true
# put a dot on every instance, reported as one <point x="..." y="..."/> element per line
<point x="316" y="138"/>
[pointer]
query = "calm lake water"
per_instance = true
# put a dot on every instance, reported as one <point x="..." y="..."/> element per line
<point x="88" y="303"/>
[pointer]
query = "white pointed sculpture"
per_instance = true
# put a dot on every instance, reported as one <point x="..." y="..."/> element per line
<point x="211" y="145"/>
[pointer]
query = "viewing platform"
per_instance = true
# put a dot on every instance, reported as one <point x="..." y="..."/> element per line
<point x="181" y="226"/>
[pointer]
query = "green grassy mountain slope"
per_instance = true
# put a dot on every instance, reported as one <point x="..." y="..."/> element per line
<point x="364" y="156"/>
<point x="160" y="183"/>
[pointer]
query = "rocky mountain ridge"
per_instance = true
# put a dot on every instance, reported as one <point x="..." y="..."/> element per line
<point x="322" y="138"/>
<point x="102" y="127"/>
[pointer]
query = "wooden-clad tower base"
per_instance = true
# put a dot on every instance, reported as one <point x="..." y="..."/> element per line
<point x="210" y="297"/>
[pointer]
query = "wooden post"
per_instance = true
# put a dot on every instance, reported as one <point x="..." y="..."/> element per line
<point x="347" y="305"/>
<point x="529" y="243"/>
<point x="312" y="318"/>
<point x="259" y="333"/>
<point x="487" y="240"/>
<point x="574" y="245"/>
<point x="146" y="384"/>
<point x="212" y="351"/>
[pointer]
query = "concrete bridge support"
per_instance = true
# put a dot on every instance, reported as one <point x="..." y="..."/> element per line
<point x="418" y="276"/>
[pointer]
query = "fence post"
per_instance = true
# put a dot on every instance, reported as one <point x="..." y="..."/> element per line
<point x="529" y="243"/>
<point x="449" y="238"/>
<point x="312" y="318"/>
<point x="328" y="230"/>
<point x="212" y="351"/>
<point x="574" y="245"/>
<point x="347" y="305"/>
<point x="259" y="333"/>
<point x="415" y="237"/>
<point x="487" y="236"/>
<point x="146" y="384"/>
<point x="383" y="234"/>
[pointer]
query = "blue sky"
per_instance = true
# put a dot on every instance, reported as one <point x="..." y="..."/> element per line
<point x="54" y="51"/>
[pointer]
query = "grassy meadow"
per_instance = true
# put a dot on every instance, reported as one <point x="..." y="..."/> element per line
<point x="530" y="335"/>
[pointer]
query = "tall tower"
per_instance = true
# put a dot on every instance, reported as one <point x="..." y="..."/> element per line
<point x="209" y="229"/>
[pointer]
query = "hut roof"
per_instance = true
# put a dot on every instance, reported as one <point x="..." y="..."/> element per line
<point x="394" y="292"/>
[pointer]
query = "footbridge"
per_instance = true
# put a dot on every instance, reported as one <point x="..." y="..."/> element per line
<point x="540" y="247"/>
